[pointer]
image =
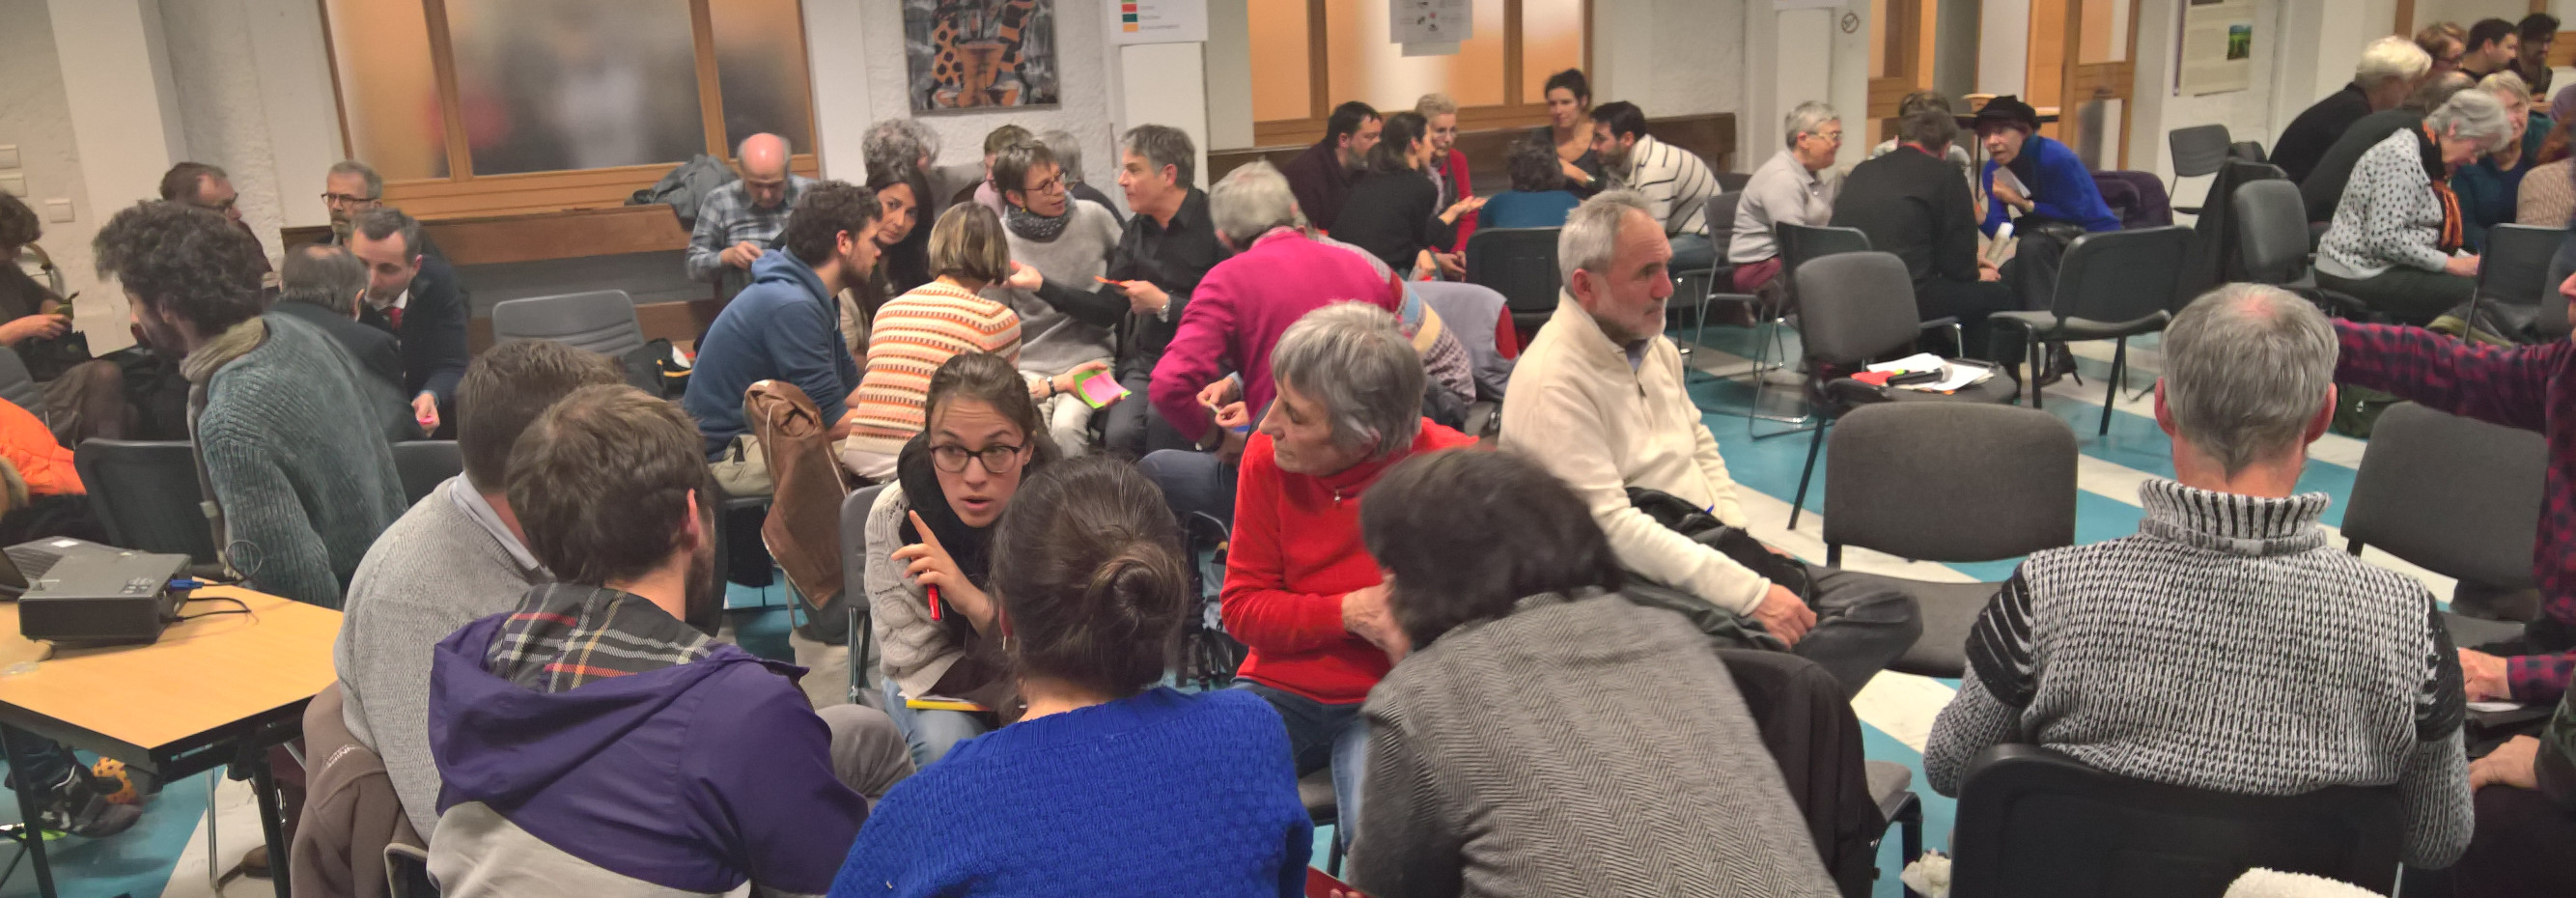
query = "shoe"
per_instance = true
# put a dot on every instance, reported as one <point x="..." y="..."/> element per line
<point x="79" y="806"/>
<point x="254" y="863"/>
<point x="2061" y="363"/>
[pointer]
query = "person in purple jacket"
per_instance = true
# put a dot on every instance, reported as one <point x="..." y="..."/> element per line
<point x="596" y="741"/>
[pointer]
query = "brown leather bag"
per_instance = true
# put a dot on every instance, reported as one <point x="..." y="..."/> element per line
<point x="803" y="531"/>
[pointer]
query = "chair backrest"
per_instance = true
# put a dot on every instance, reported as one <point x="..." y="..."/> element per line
<point x="2116" y="276"/>
<point x="2271" y="231"/>
<point x="1519" y="263"/>
<point x="602" y="321"/>
<point x="1800" y="243"/>
<point x="2213" y="259"/>
<point x="1856" y="306"/>
<point x="2455" y="496"/>
<point x="2551" y="323"/>
<point x="1902" y="477"/>
<point x="424" y="464"/>
<point x="146" y="496"/>
<point x="1721" y="220"/>
<point x="2035" y="822"/>
<point x="854" y="542"/>
<point x="2198" y="150"/>
<point x="1733" y="181"/>
<point x="17" y="385"/>
<point x="1472" y="312"/>
<point x="2514" y="270"/>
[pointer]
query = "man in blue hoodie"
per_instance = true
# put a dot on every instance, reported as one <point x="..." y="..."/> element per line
<point x="595" y="741"/>
<point x="786" y="327"/>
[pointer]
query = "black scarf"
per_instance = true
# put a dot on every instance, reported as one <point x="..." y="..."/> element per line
<point x="970" y="547"/>
<point x="1032" y="226"/>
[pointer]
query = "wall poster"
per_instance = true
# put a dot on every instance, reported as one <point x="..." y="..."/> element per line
<point x="2216" y="53"/>
<point x="968" y="55"/>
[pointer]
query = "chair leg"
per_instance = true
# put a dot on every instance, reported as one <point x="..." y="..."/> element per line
<point x="2038" y="353"/>
<point x="1815" y="444"/>
<point x="1910" y="825"/>
<point x="2119" y="370"/>
<point x="1333" y="860"/>
<point x="1833" y="555"/>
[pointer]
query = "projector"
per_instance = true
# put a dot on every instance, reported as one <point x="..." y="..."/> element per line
<point x="102" y="599"/>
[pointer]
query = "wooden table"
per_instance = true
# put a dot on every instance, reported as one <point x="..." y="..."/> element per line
<point x="213" y="691"/>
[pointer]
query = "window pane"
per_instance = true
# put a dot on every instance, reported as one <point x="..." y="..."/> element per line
<point x="1551" y="42"/>
<point x="574" y="84"/>
<point x="1365" y="66"/>
<point x="1280" y="85"/>
<point x="388" y="92"/>
<point x="760" y="67"/>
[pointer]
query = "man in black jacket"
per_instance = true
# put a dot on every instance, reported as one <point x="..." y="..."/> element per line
<point x="2389" y="69"/>
<point x="1911" y="203"/>
<point x="322" y="284"/>
<point x="419" y="299"/>
<point x="1169" y="244"/>
<point x="2323" y="189"/>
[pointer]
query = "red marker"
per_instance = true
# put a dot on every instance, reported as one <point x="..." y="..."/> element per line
<point x="934" y="602"/>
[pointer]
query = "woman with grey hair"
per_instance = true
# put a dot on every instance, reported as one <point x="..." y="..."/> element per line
<point x="1300" y="590"/>
<point x="2490" y="188"/>
<point x="2397" y="236"/>
<point x="1068" y="153"/>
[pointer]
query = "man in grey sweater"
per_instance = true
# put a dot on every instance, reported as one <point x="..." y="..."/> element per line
<point x="285" y="421"/>
<point x="1069" y="241"/>
<point x="2191" y="652"/>
<point x="453" y="559"/>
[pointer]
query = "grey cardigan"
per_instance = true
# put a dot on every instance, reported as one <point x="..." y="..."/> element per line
<point x="1588" y="747"/>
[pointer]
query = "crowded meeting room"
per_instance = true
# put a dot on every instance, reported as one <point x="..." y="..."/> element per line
<point x="651" y="448"/>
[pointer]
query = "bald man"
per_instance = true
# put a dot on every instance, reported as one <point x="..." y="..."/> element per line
<point x="738" y="221"/>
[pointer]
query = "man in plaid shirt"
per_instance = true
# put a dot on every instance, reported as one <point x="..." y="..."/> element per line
<point x="2529" y="387"/>
<point x="737" y="222"/>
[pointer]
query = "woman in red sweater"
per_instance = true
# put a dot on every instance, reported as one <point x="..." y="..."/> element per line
<point x="1300" y="590"/>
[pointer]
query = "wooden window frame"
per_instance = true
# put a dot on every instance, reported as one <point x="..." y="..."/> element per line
<point x="1515" y="110"/>
<point x="463" y="193"/>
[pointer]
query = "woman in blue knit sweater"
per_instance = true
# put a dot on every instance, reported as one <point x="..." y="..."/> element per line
<point x="1109" y="784"/>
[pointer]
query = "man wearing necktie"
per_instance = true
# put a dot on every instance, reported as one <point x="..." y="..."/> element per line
<point x="419" y="299"/>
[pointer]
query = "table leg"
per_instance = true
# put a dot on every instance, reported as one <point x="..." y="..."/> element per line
<point x="263" y="781"/>
<point x="31" y="830"/>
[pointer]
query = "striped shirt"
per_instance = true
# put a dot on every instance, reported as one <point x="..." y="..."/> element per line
<point x="912" y="336"/>
<point x="1677" y="184"/>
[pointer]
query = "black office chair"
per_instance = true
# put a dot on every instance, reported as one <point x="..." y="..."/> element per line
<point x="1952" y="483"/>
<point x="2111" y="285"/>
<point x="2197" y="150"/>
<point x="2455" y="496"/>
<point x="2513" y="273"/>
<point x="2214" y="258"/>
<point x="18" y="386"/>
<point x="2272" y="245"/>
<point x="424" y="464"/>
<point x="1798" y="245"/>
<point x="602" y="321"/>
<point x="1733" y="181"/>
<point x="2034" y="822"/>
<point x="1859" y="307"/>
<point x="147" y="497"/>
<point x="1519" y="263"/>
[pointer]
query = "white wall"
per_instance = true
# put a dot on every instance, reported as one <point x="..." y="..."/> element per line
<point x="1086" y="92"/>
<point x="36" y="117"/>
<point x="1229" y="74"/>
<point x="2003" y="47"/>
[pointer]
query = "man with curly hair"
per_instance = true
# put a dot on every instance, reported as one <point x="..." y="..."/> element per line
<point x="284" y="418"/>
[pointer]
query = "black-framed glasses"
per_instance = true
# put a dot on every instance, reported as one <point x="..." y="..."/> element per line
<point x="342" y="199"/>
<point x="997" y="459"/>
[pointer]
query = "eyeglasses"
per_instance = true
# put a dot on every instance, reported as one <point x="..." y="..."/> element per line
<point x="997" y="459"/>
<point x="1047" y="186"/>
<point x="342" y="199"/>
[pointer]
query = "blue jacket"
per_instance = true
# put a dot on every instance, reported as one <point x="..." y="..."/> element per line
<point x="691" y="778"/>
<point x="783" y="327"/>
<point x="2061" y="189"/>
<point x="2489" y="194"/>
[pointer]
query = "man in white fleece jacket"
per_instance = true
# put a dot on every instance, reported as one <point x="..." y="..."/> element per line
<point x="1597" y="399"/>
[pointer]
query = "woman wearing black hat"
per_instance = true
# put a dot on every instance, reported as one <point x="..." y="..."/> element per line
<point x="2040" y="186"/>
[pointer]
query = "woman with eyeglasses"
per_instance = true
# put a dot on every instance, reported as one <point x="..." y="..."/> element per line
<point x="1110" y="782"/>
<point x="930" y="551"/>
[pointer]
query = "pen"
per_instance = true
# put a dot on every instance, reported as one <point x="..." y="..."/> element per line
<point x="934" y="603"/>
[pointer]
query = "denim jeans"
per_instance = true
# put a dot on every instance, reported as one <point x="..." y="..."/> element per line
<point x="1320" y="735"/>
<point x="1193" y="482"/>
<point x="1692" y="252"/>
<point x="930" y="734"/>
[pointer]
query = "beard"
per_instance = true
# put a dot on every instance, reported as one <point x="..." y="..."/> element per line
<point x="159" y="336"/>
<point x="705" y="602"/>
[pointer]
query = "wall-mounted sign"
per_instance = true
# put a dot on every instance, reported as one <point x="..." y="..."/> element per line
<point x="1157" y="21"/>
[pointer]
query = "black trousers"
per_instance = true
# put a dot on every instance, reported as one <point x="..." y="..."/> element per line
<point x="2407" y="295"/>
<point x="1971" y="302"/>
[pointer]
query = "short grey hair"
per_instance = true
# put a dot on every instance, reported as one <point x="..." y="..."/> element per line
<point x="899" y="140"/>
<point x="1250" y="201"/>
<point x="1591" y="233"/>
<point x="1068" y="152"/>
<point x="1809" y="118"/>
<point x="365" y="172"/>
<point x="2247" y="368"/>
<point x="2389" y="59"/>
<point x="2478" y="115"/>
<point x="2507" y="84"/>
<point x="1435" y="104"/>
<point x="1350" y="357"/>
<point x="1163" y="145"/>
<point x="322" y="275"/>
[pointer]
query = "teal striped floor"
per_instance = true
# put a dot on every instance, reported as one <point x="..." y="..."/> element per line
<point x="166" y="855"/>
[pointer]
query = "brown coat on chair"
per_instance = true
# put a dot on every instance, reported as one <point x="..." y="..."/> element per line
<point x="803" y="531"/>
<point x="350" y="811"/>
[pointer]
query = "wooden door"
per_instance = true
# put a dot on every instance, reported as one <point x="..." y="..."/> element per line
<point x="1900" y="56"/>
<point x="2100" y="78"/>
